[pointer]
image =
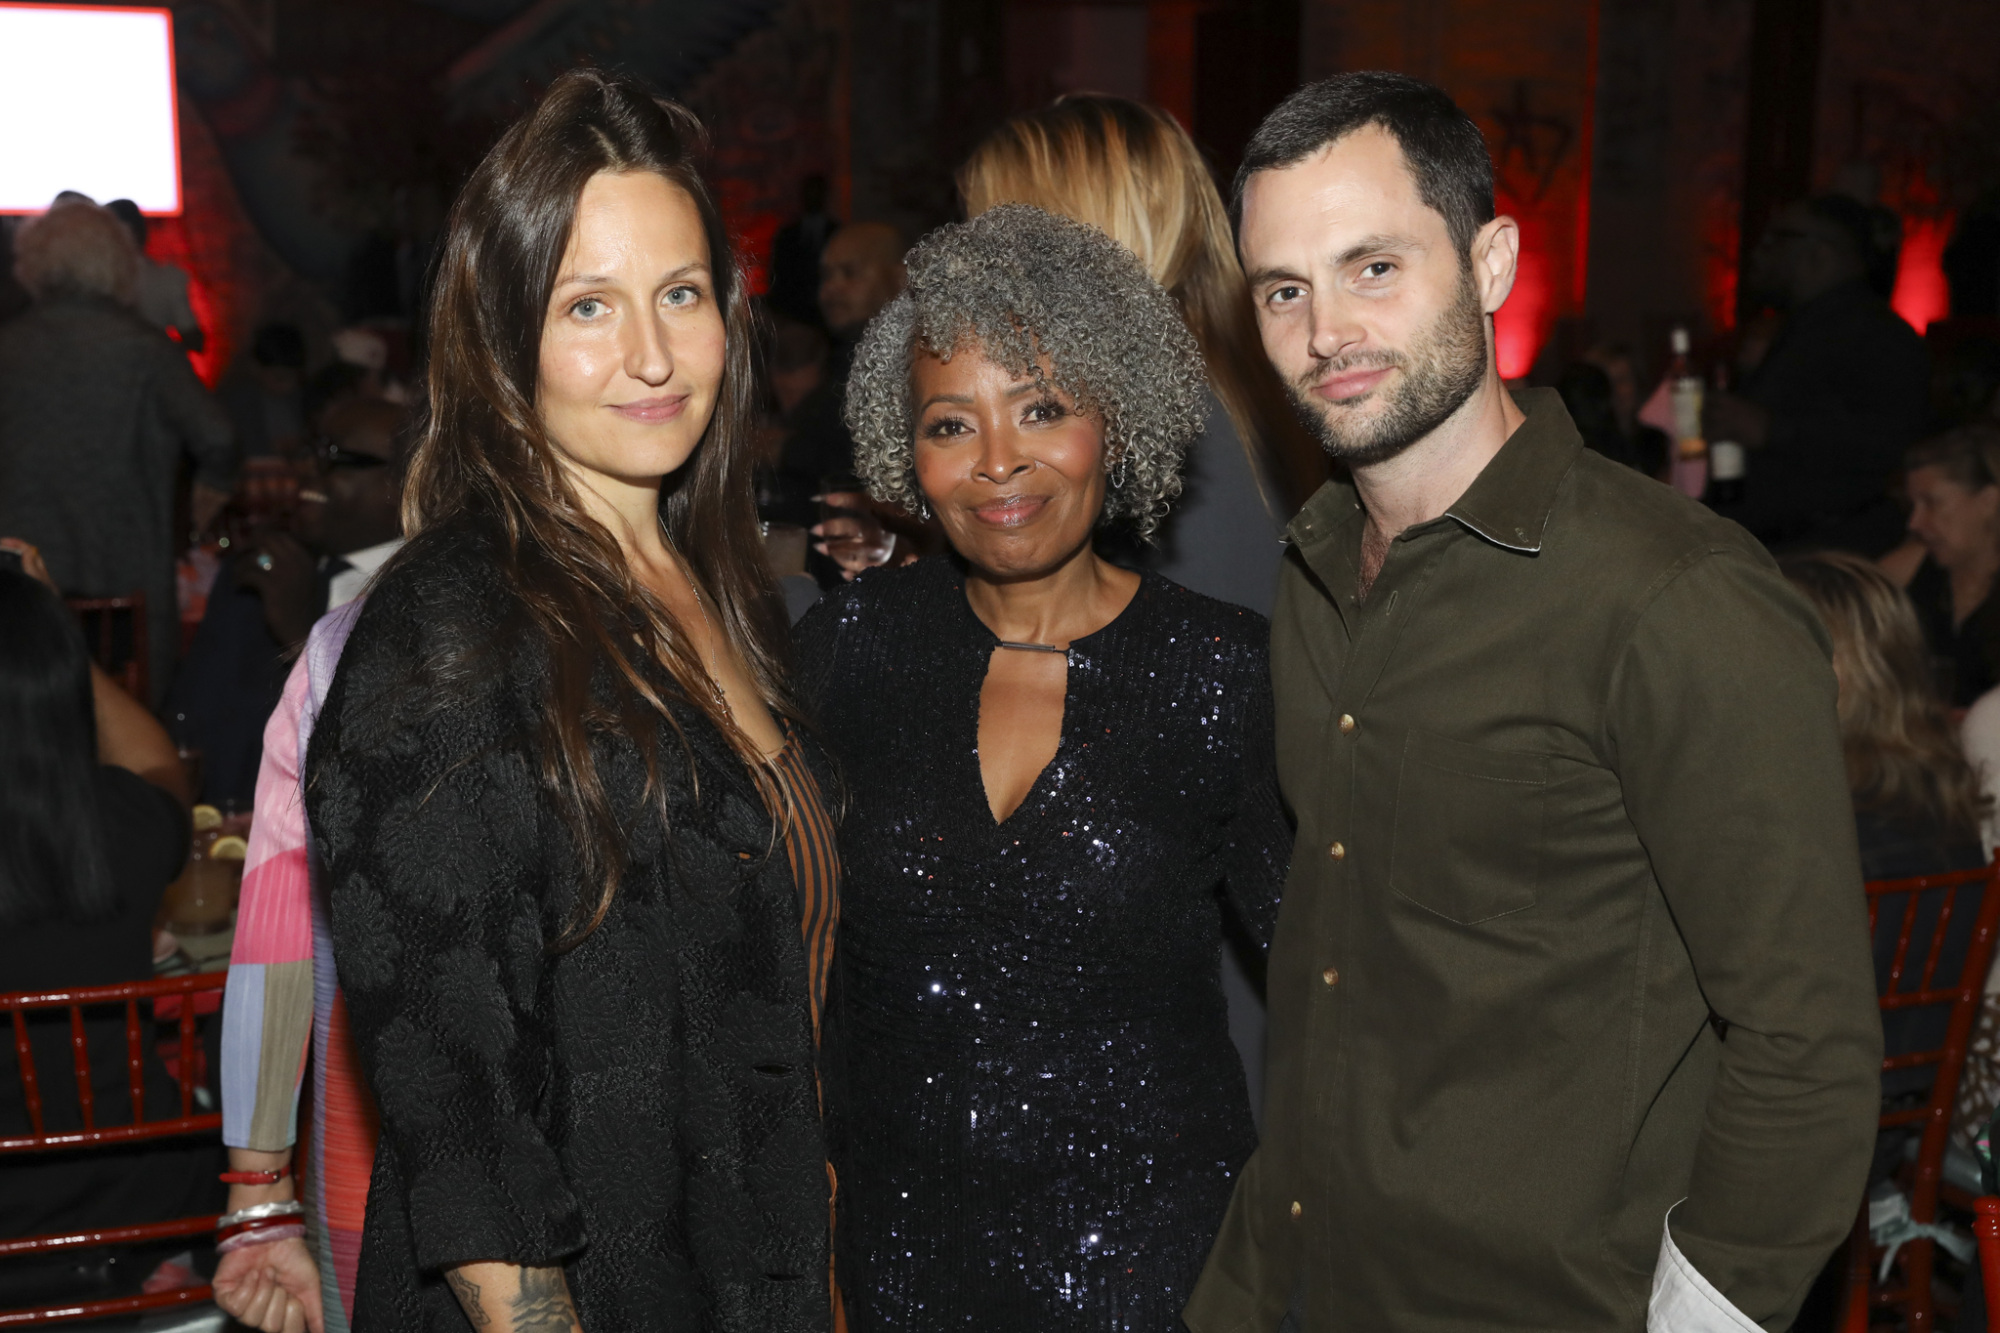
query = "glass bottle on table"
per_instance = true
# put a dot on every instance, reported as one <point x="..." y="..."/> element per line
<point x="1690" y="458"/>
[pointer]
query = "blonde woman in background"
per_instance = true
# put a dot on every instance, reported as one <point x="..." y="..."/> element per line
<point x="1131" y="171"/>
<point x="1918" y="805"/>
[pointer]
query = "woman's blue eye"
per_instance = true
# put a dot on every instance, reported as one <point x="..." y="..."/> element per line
<point x="588" y="307"/>
<point x="683" y="296"/>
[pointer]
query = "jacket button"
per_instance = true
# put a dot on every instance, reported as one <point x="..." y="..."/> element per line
<point x="1347" y="724"/>
<point x="1298" y="1209"/>
<point x="1331" y="976"/>
<point x="1338" y="851"/>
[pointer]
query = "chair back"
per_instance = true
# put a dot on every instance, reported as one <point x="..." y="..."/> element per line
<point x="1937" y="932"/>
<point x="1986" y="1233"/>
<point x="144" y="1004"/>
<point x="115" y="629"/>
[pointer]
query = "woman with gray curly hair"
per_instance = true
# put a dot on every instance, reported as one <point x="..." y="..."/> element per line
<point x="1060" y="776"/>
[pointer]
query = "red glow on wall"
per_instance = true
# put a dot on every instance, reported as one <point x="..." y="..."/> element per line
<point x="1922" y="294"/>
<point x="1522" y="325"/>
<point x="168" y="242"/>
<point x="1720" y="245"/>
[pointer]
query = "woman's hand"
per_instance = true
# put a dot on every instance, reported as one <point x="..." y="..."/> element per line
<point x="273" y="1286"/>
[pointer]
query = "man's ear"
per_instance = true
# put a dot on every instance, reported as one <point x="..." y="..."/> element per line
<point x="1496" y="250"/>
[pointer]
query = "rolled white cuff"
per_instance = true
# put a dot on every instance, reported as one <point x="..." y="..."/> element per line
<point x="1686" y="1302"/>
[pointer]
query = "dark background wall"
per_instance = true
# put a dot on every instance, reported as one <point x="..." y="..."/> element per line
<point x="1636" y="139"/>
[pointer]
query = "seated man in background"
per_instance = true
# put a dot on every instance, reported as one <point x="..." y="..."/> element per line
<point x="265" y="600"/>
<point x="1842" y="392"/>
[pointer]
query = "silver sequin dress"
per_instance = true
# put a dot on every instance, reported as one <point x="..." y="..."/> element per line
<point x="1033" y="1103"/>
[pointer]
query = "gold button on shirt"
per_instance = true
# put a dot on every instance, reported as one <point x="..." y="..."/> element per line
<point x="1601" y="758"/>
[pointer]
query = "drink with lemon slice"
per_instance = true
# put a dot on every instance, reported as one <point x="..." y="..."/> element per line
<point x="203" y="900"/>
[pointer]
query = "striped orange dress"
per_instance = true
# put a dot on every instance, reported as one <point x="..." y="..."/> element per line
<point x="815" y="862"/>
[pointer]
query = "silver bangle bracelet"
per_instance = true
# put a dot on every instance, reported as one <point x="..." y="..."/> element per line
<point x="281" y="1208"/>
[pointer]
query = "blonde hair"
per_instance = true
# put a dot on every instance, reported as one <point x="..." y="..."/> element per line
<point x="1903" y="755"/>
<point x="1131" y="171"/>
<point x="77" y="249"/>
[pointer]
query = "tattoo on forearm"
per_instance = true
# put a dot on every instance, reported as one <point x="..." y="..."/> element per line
<point x="467" y="1292"/>
<point x="542" y="1305"/>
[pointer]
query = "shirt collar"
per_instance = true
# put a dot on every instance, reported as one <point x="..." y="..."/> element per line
<point x="1508" y="503"/>
<point x="371" y="558"/>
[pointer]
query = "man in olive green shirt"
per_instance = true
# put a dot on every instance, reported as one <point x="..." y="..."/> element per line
<point x="1574" y="937"/>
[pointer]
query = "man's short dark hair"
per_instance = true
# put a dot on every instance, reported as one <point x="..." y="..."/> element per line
<point x="1446" y="152"/>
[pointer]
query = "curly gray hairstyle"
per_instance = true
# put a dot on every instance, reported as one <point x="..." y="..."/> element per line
<point x="1019" y="284"/>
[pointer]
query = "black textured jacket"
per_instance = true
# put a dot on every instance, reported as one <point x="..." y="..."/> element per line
<point x="639" y="1108"/>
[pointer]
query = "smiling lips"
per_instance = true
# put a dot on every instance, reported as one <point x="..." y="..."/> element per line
<point x="651" y="410"/>
<point x="1010" y="511"/>
<point x="1351" y="384"/>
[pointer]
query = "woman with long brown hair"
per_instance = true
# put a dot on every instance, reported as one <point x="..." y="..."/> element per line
<point x="1132" y="172"/>
<point x="565" y="824"/>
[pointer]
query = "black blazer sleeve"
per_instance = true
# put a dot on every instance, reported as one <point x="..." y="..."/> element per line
<point x="424" y="802"/>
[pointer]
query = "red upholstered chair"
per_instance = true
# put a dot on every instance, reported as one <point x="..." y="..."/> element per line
<point x="101" y="617"/>
<point x="1986" y="1227"/>
<point x="1921" y="978"/>
<point x="143" y="1003"/>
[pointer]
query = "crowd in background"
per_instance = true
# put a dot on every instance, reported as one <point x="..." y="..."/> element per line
<point x="235" y="520"/>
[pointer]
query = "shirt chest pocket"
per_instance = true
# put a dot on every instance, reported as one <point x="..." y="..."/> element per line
<point x="1468" y="838"/>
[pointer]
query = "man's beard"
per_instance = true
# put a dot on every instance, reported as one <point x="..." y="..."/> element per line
<point x="1444" y="365"/>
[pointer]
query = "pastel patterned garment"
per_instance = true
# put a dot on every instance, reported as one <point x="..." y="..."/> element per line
<point x="282" y="993"/>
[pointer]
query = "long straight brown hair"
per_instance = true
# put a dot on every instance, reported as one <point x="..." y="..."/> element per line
<point x="1130" y="170"/>
<point x="485" y="455"/>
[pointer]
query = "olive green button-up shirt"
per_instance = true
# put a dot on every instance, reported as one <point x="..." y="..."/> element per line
<point x="1569" y="787"/>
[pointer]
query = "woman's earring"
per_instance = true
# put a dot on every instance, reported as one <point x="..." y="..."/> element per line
<point x="1118" y="473"/>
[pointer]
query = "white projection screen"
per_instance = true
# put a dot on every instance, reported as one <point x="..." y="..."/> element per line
<point x="87" y="103"/>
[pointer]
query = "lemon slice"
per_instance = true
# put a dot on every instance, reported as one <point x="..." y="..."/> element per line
<point x="231" y="848"/>
<point x="206" y="817"/>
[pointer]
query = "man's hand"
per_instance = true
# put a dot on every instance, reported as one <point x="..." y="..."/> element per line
<point x="273" y="1286"/>
<point x="1728" y="416"/>
<point x="282" y="571"/>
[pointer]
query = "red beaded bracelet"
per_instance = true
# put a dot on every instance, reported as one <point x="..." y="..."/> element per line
<point x="255" y="1177"/>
